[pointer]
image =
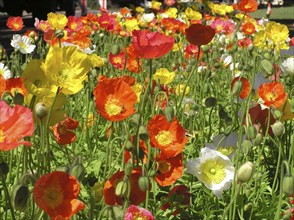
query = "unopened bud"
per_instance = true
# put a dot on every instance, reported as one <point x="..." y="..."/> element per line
<point x="128" y="168"/>
<point x="129" y="146"/>
<point x="143" y="133"/>
<point x="78" y="171"/>
<point x="121" y="188"/>
<point x="169" y="113"/>
<point x="204" y="48"/>
<point x="277" y="114"/>
<point x="210" y="102"/>
<point x="245" y="172"/>
<point x="288" y="185"/>
<point x="251" y="132"/>
<point x="237" y="88"/>
<point x="258" y="139"/>
<point x="41" y="110"/>
<point x="115" y="49"/>
<point x="4" y="168"/>
<point x="20" y="196"/>
<point x="267" y="56"/>
<point x="59" y="33"/>
<point x="278" y="128"/>
<point x="144" y="183"/>
<point x="135" y="119"/>
<point x="267" y="67"/>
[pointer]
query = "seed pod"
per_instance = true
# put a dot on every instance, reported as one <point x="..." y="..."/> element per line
<point x="245" y="172"/>
<point x="20" y="196"/>
<point x="41" y="110"/>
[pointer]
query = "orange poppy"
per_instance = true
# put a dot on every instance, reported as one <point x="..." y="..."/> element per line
<point x="56" y="193"/>
<point x="15" y="23"/>
<point x="169" y="137"/>
<point x="136" y="196"/>
<point x="151" y="45"/>
<point x="248" y="6"/>
<point x="272" y="93"/>
<point x="245" y="86"/>
<point x="15" y="124"/>
<point x="169" y="169"/>
<point x="117" y="60"/>
<point x="15" y="85"/>
<point x="74" y="23"/>
<point x="114" y="99"/>
<point x="248" y="28"/>
<point x="199" y="34"/>
<point x="63" y="131"/>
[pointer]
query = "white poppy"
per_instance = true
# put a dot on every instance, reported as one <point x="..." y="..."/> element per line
<point x="213" y="169"/>
<point x="288" y="66"/>
<point x="4" y="71"/>
<point x="22" y="43"/>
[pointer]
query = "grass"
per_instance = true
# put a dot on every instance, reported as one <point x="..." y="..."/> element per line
<point x="278" y="13"/>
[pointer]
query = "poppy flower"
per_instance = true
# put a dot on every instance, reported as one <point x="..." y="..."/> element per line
<point x="272" y="93"/>
<point x="178" y="197"/>
<point x="74" y="23"/>
<point x="56" y="193"/>
<point x="15" y="85"/>
<point x="151" y="45"/>
<point x="4" y="71"/>
<point x="114" y="99"/>
<point x="167" y="136"/>
<point x="63" y="131"/>
<point x="136" y="196"/>
<point x="169" y="169"/>
<point x="117" y="60"/>
<point x="136" y="213"/>
<point x="15" y="124"/>
<point x="199" y="34"/>
<point x="192" y="50"/>
<point x="248" y="6"/>
<point x="22" y="43"/>
<point x="245" y="42"/>
<point x="15" y="23"/>
<point x="244" y="90"/>
<point x="248" y="28"/>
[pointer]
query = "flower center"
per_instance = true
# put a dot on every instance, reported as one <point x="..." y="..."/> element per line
<point x="53" y="196"/>
<point x="113" y="106"/>
<point x="164" y="138"/>
<point x="213" y="171"/>
<point x="271" y="96"/>
<point x="1" y="136"/>
<point x="164" y="166"/>
<point x="226" y="150"/>
<point x="117" y="60"/>
<point x="22" y="45"/>
<point x="139" y="216"/>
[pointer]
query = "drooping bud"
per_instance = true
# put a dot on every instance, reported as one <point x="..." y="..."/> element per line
<point x="144" y="183"/>
<point x="4" y="168"/>
<point x="115" y="49"/>
<point x="237" y="88"/>
<point x="258" y="139"/>
<point x="143" y="133"/>
<point x="169" y="113"/>
<point x="129" y="146"/>
<point x="277" y="114"/>
<point x="78" y="171"/>
<point x="245" y="172"/>
<point x="210" y="102"/>
<point x="19" y="197"/>
<point x="267" y="67"/>
<point x="278" y="128"/>
<point x="251" y="132"/>
<point x="41" y="110"/>
<point x="121" y="188"/>
<point x="135" y="119"/>
<point x="288" y="185"/>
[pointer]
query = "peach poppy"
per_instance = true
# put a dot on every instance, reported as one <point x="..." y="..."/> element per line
<point x="136" y="196"/>
<point x="15" y="23"/>
<point x="114" y="99"/>
<point x="151" y="45"/>
<point x="63" y="131"/>
<point x="169" y="169"/>
<point x="248" y="6"/>
<point x="15" y="124"/>
<point x="272" y="93"/>
<point x="245" y="86"/>
<point x="137" y="213"/>
<point x="169" y="137"/>
<point x="248" y="28"/>
<point x="199" y="34"/>
<point x="56" y="193"/>
<point x="117" y="60"/>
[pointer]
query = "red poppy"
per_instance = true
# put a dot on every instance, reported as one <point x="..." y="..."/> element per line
<point x="245" y="42"/>
<point x="74" y="23"/>
<point x="199" y="34"/>
<point x="192" y="50"/>
<point x="272" y="93"/>
<point x="248" y="28"/>
<point x="136" y="196"/>
<point x="117" y="60"/>
<point x="15" y="124"/>
<point x="115" y="99"/>
<point x="15" y="85"/>
<point x="56" y="193"/>
<point x="245" y="86"/>
<point x="107" y="22"/>
<point x="179" y="198"/>
<point x="63" y="131"/>
<point x="169" y="137"/>
<point x="169" y="169"/>
<point x="151" y="45"/>
<point x="248" y="6"/>
<point x="15" y="23"/>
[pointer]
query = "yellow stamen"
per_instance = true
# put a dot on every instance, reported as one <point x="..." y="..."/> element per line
<point x="113" y="106"/>
<point x="164" y="138"/>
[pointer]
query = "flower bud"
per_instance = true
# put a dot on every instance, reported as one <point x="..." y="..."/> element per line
<point x="251" y="132"/>
<point x="143" y="133"/>
<point x="237" y="88"/>
<point x="129" y="146"/>
<point x="288" y="185"/>
<point x="121" y="188"/>
<point x="277" y="114"/>
<point x="169" y="113"/>
<point x="267" y="56"/>
<point x="204" y="48"/>
<point x="78" y="171"/>
<point x="258" y="139"/>
<point x="135" y="119"/>
<point x="246" y="146"/>
<point x="267" y="67"/>
<point x="278" y="128"/>
<point x="63" y="169"/>
<point x="59" y="33"/>
<point x="128" y="168"/>
<point x="144" y="183"/>
<point x="115" y="49"/>
<point x="245" y="172"/>
<point x="4" y="168"/>
<point x="210" y="102"/>
<point x="41" y="110"/>
<point x="19" y="197"/>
